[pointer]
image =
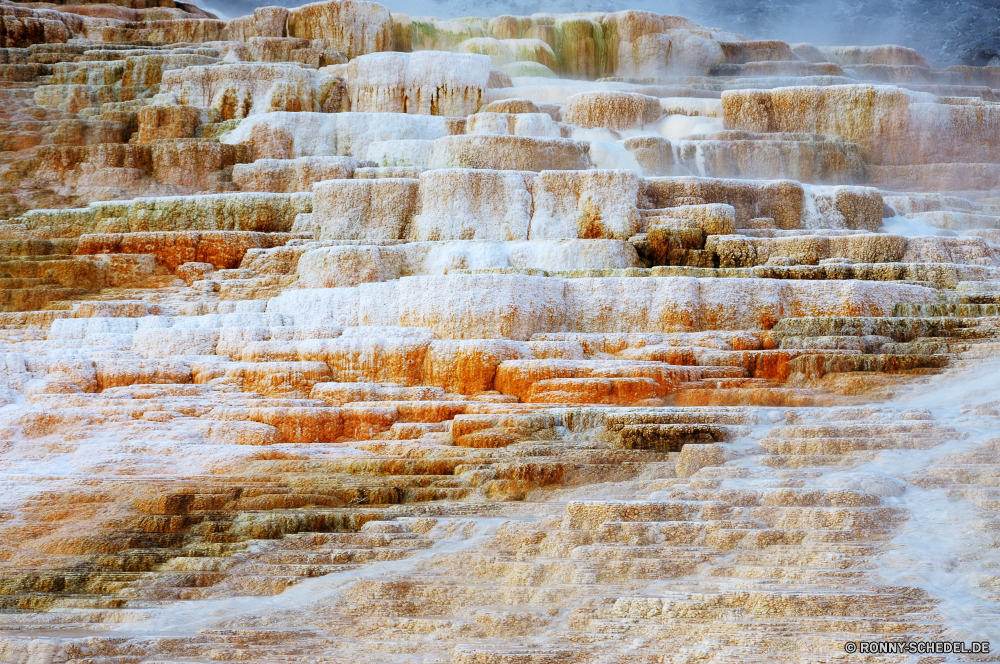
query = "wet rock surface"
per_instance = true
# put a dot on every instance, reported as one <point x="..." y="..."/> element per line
<point x="336" y="334"/>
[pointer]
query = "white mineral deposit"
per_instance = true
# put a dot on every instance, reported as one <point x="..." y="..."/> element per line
<point x="332" y="334"/>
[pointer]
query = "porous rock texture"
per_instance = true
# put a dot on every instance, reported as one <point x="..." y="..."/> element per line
<point x="329" y="334"/>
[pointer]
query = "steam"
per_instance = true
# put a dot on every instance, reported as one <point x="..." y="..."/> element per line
<point x="943" y="548"/>
<point x="613" y="156"/>
<point x="212" y="9"/>
<point x="912" y="227"/>
<point x="944" y="31"/>
<point x="676" y="127"/>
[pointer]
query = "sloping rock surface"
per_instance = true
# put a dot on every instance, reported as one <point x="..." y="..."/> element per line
<point x="336" y="334"/>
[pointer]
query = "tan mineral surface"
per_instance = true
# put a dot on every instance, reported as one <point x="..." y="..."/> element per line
<point x="336" y="335"/>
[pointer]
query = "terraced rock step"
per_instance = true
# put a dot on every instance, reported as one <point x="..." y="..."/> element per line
<point x="331" y="333"/>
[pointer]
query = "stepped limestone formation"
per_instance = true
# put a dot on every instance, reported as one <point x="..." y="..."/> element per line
<point x="331" y="334"/>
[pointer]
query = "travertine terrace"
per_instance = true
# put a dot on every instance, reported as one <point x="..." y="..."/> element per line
<point x="331" y="334"/>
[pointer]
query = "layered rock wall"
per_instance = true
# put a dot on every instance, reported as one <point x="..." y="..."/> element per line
<point x="335" y="334"/>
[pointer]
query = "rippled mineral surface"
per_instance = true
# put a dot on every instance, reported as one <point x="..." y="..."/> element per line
<point x="337" y="335"/>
